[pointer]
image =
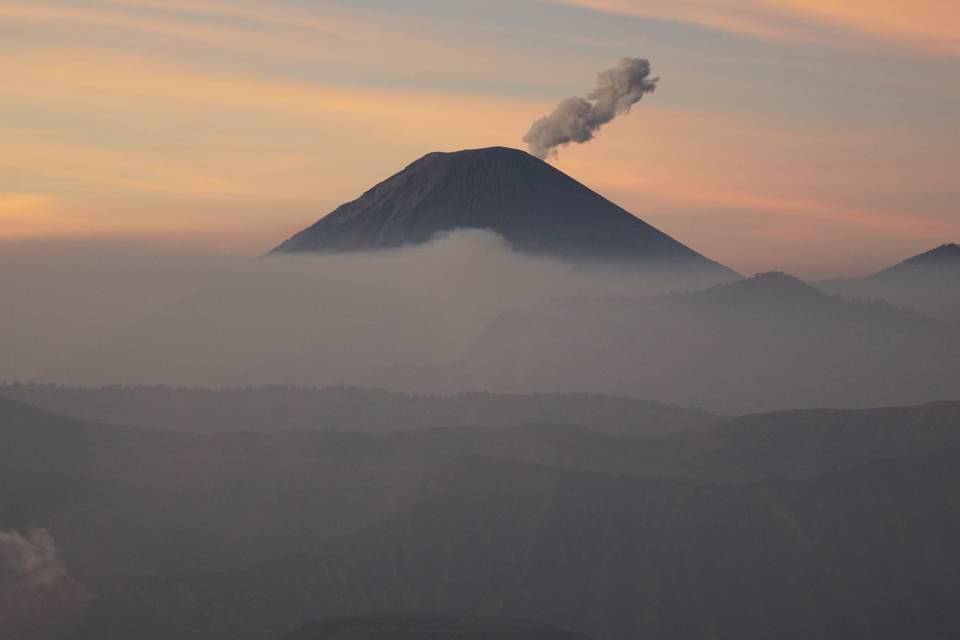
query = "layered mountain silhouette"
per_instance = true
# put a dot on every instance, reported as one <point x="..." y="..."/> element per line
<point x="409" y="626"/>
<point x="613" y="555"/>
<point x="928" y="282"/>
<point x="736" y="530"/>
<point x="536" y="207"/>
<point x="945" y="258"/>
<point x="241" y="497"/>
<point x="278" y="408"/>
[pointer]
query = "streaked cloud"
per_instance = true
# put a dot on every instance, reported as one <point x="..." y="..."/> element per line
<point x="239" y="122"/>
<point x="931" y="26"/>
<point x="794" y="196"/>
<point x="24" y="213"/>
<point x="36" y="215"/>
<point x="330" y="39"/>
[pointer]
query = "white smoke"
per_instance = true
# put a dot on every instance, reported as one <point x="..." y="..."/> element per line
<point x="29" y="561"/>
<point x="38" y="599"/>
<point x="578" y="120"/>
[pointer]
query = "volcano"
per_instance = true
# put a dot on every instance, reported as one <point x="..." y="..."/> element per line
<point x="535" y="207"/>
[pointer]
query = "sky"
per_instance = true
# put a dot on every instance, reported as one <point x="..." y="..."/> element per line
<point x="813" y="136"/>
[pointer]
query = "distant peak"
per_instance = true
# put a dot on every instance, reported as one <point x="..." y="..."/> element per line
<point x="949" y="249"/>
<point x="776" y="276"/>
<point x="483" y="154"/>
<point x="773" y="286"/>
<point x="775" y="280"/>
<point x="942" y="256"/>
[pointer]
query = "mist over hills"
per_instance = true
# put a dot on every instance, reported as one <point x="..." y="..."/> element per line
<point x="521" y="325"/>
<point x="928" y="282"/>
<point x="479" y="400"/>
<point x="489" y="270"/>
<point x="534" y="206"/>
<point x="364" y="319"/>
<point x="278" y="408"/>
<point x="507" y="470"/>
<point x="759" y="344"/>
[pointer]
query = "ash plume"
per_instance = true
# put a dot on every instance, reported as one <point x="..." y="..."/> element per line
<point x="578" y="119"/>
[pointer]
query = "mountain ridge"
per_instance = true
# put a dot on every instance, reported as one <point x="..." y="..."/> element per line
<point x="706" y="348"/>
<point x="945" y="254"/>
<point x="344" y="408"/>
<point x="699" y="574"/>
<point x="421" y="626"/>
<point x="670" y="535"/>
<point x="928" y="283"/>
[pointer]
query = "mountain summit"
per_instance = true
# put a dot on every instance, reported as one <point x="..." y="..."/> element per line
<point x="536" y="207"/>
<point x="945" y="258"/>
<point x="928" y="283"/>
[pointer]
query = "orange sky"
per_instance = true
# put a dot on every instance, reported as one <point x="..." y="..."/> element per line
<point x="805" y="135"/>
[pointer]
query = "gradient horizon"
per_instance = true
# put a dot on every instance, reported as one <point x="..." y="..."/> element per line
<point x="810" y="136"/>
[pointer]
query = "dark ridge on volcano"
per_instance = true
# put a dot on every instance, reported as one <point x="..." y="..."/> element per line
<point x="536" y="207"/>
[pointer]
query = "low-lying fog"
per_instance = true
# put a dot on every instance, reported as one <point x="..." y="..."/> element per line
<point x="464" y="312"/>
<point x="187" y="317"/>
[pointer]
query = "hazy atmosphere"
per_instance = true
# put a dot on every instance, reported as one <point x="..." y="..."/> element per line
<point x="227" y="124"/>
<point x="539" y="320"/>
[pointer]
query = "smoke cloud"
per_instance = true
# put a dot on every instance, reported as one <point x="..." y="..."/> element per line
<point x="38" y="599"/>
<point x="578" y="119"/>
<point x="29" y="561"/>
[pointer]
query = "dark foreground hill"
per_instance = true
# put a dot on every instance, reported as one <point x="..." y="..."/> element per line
<point x="215" y="501"/>
<point x="867" y="553"/>
<point x="427" y="627"/>
<point x="537" y="208"/>
<point x="736" y="530"/>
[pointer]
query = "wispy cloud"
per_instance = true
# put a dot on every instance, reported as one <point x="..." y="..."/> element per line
<point x="335" y="40"/>
<point x="43" y="216"/>
<point x="197" y="139"/>
<point x="929" y="26"/>
<point x="157" y="116"/>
